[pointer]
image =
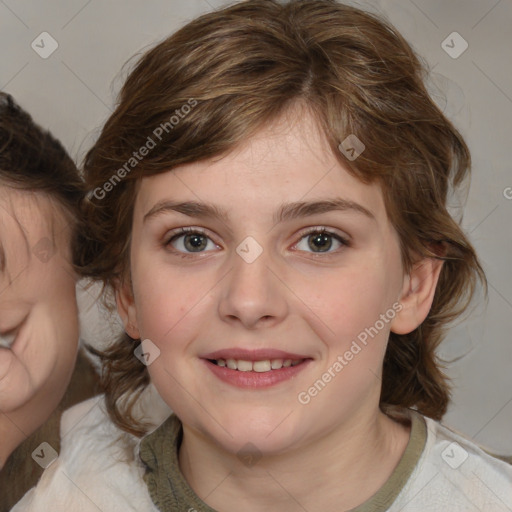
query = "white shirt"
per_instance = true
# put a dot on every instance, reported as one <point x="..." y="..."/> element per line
<point x="99" y="470"/>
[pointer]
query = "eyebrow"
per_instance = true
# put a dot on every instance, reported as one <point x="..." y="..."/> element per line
<point x="286" y="212"/>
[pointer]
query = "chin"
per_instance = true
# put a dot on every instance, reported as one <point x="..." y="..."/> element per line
<point x="258" y="445"/>
<point x="269" y="435"/>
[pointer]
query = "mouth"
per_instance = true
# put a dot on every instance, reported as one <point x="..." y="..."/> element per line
<point x="255" y="369"/>
<point x="261" y="366"/>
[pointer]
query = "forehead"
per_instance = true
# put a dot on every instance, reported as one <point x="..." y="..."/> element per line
<point x="26" y="212"/>
<point x="286" y="161"/>
<point x="30" y="225"/>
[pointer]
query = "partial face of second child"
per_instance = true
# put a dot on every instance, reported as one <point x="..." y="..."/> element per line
<point x="253" y="304"/>
<point x="39" y="318"/>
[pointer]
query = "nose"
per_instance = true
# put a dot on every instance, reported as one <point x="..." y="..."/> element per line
<point x="252" y="294"/>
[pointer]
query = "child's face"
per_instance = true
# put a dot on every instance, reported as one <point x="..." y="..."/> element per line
<point x="303" y="298"/>
<point x="38" y="312"/>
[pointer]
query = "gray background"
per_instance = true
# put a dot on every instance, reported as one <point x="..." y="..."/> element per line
<point x="72" y="93"/>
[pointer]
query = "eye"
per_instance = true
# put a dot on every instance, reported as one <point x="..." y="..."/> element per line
<point x="194" y="240"/>
<point x="190" y="240"/>
<point x="320" y="240"/>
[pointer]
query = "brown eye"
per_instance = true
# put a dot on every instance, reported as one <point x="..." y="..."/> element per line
<point x="190" y="241"/>
<point x="195" y="242"/>
<point x="320" y="241"/>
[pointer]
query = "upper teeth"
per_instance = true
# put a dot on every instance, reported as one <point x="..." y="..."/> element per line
<point x="265" y="365"/>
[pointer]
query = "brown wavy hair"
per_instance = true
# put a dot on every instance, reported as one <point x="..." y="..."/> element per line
<point x="238" y="69"/>
<point x="32" y="159"/>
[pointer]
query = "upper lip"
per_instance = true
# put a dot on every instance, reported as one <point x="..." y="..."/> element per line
<point x="253" y="355"/>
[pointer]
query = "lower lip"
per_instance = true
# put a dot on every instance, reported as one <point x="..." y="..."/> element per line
<point x="256" y="380"/>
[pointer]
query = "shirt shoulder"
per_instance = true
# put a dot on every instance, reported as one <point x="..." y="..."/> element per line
<point x="456" y="474"/>
<point x="97" y="468"/>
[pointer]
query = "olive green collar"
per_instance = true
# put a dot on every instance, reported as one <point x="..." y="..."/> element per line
<point x="170" y="491"/>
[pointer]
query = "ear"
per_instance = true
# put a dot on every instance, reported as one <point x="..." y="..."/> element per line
<point x="417" y="295"/>
<point x="126" y="308"/>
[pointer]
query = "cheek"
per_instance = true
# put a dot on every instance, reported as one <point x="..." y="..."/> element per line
<point x="172" y="311"/>
<point x="15" y="383"/>
<point x="51" y="344"/>
<point x="56" y="310"/>
<point x="41" y="356"/>
<point x="342" y="304"/>
<point x="170" y="304"/>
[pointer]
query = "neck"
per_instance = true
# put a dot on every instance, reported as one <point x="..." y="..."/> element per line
<point x="337" y="471"/>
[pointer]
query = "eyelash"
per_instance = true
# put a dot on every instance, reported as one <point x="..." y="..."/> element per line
<point x="198" y="231"/>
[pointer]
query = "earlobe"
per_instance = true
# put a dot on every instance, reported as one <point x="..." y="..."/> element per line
<point x="417" y="295"/>
<point x="126" y="309"/>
